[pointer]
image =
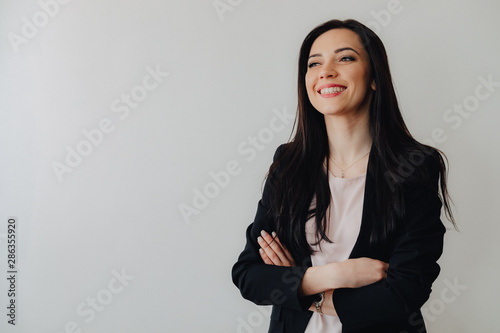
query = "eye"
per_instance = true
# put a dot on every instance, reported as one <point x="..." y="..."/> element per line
<point x="347" y="58"/>
<point x="313" y="64"/>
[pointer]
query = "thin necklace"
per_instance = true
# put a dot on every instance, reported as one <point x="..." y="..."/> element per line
<point x="342" y="171"/>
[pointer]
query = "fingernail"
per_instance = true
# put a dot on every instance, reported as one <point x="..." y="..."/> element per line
<point x="263" y="232"/>
<point x="261" y="251"/>
<point x="274" y="234"/>
<point x="259" y="239"/>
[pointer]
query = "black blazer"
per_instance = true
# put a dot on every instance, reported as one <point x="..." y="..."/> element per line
<point x="390" y="305"/>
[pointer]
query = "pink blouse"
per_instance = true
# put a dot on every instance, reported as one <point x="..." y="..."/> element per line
<point x="343" y="227"/>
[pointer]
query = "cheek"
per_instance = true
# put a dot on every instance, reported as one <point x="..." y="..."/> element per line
<point x="309" y="83"/>
<point x="362" y="82"/>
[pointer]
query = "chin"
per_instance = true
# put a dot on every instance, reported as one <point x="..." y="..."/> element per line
<point x="328" y="111"/>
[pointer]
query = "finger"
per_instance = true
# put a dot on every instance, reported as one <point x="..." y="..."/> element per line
<point x="269" y="251"/>
<point x="287" y="253"/>
<point x="277" y="248"/>
<point x="265" y="258"/>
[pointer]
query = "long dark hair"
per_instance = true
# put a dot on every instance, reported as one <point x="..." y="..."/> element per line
<point x="302" y="177"/>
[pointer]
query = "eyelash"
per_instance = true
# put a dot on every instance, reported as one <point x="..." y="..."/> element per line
<point x="348" y="58"/>
<point x="343" y="59"/>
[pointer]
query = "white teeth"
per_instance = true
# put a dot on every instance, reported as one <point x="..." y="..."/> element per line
<point x="331" y="90"/>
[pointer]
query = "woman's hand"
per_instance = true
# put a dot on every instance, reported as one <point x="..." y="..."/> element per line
<point x="273" y="252"/>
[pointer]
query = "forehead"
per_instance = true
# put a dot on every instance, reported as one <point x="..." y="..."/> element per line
<point x="336" y="38"/>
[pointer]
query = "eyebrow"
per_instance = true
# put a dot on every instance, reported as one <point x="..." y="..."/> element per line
<point x="336" y="51"/>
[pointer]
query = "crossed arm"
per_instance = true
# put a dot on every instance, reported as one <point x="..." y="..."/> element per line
<point x="352" y="273"/>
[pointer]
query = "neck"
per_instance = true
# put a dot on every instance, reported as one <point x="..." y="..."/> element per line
<point x="348" y="136"/>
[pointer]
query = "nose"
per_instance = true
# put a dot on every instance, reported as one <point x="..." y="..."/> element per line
<point x="328" y="71"/>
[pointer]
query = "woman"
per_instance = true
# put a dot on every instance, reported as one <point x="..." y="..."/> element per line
<point x="348" y="230"/>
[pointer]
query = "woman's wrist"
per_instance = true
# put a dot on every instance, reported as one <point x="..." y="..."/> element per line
<point x="320" y="278"/>
<point x="312" y="281"/>
<point x="327" y="307"/>
<point x="335" y="275"/>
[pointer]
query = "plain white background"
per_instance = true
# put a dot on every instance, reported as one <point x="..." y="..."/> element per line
<point x="118" y="209"/>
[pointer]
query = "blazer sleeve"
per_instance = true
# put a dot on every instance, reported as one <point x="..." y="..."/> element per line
<point x="412" y="266"/>
<point x="267" y="284"/>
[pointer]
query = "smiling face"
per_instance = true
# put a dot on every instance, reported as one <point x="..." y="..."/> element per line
<point x="338" y="79"/>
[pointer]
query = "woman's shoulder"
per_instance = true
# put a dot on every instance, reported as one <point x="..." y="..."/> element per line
<point x="281" y="155"/>
<point x="281" y="151"/>
<point x="421" y="165"/>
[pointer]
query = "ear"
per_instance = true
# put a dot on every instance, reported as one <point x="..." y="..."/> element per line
<point x="373" y="85"/>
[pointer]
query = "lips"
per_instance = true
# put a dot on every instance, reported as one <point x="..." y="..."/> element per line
<point x="331" y="88"/>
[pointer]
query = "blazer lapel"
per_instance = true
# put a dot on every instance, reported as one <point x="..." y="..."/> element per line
<point x="361" y="246"/>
